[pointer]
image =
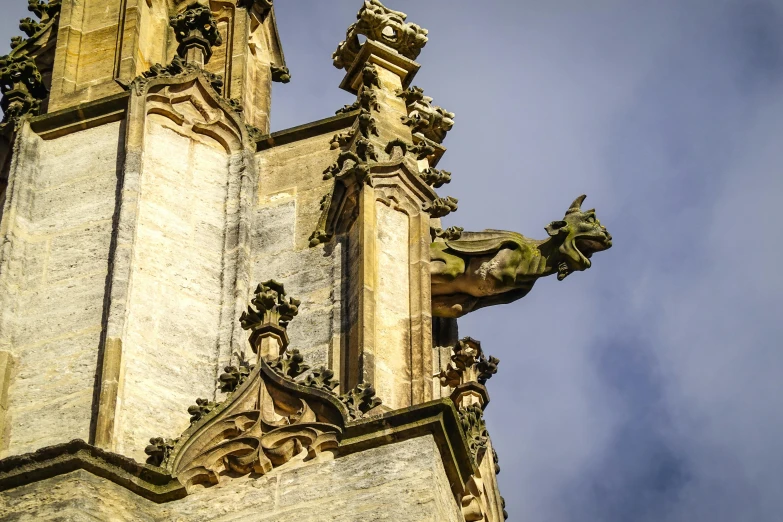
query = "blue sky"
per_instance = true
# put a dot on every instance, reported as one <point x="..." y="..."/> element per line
<point x="650" y="387"/>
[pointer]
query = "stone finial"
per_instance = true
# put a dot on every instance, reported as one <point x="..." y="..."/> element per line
<point x="268" y="317"/>
<point x="468" y="372"/>
<point x="21" y="85"/>
<point x="197" y="32"/>
<point x="378" y="23"/>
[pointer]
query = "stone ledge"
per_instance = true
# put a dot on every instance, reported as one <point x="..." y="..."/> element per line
<point x="145" y="481"/>
<point x="439" y="418"/>
<point x="81" y="117"/>
<point x="308" y="130"/>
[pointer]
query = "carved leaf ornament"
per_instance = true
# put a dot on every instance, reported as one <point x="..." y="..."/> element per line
<point x="268" y="422"/>
<point x="269" y="419"/>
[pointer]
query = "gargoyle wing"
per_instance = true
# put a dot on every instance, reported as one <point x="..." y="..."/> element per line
<point x="486" y="242"/>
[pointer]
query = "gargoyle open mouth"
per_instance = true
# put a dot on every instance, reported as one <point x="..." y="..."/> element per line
<point x="587" y="246"/>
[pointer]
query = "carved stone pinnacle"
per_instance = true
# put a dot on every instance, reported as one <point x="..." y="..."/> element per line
<point x="378" y="23"/>
<point x="197" y="32"/>
<point x="267" y="317"/>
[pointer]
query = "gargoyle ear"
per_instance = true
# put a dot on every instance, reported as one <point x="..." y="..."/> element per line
<point x="556" y="227"/>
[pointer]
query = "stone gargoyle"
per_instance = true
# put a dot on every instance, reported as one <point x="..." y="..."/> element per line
<point x="481" y="269"/>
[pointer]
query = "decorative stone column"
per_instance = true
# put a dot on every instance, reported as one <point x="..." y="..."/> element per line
<point x="384" y="204"/>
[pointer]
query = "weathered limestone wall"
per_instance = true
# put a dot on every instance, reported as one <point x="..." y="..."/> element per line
<point x="171" y="342"/>
<point x="393" y="307"/>
<point x="291" y="188"/>
<point x="56" y="229"/>
<point x="404" y="482"/>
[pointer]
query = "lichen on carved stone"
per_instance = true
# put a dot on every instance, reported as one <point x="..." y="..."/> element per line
<point x="367" y="124"/>
<point x="342" y="139"/>
<point x="441" y="207"/>
<point x="44" y="9"/>
<point x="323" y="379"/>
<point x="423" y="117"/>
<point x="337" y="167"/>
<point x="196" y="28"/>
<point x="319" y="237"/>
<point x="378" y="23"/>
<point x="435" y="178"/>
<point x="177" y="68"/>
<point x="370" y="77"/>
<point x="360" y="400"/>
<point x="451" y="233"/>
<point x="159" y="450"/>
<point x="497" y="267"/>
<point x="472" y="421"/>
<point x="397" y="148"/>
<point x="22" y="88"/>
<point x="254" y="133"/>
<point x="366" y="150"/>
<point x="355" y="106"/>
<point x="280" y="73"/>
<point x="290" y="365"/>
<point x="29" y="26"/>
<point x="202" y="408"/>
<point x="422" y="150"/>
<point x="496" y="461"/>
<point x="234" y="376"/>
<point x="368" y="100"/>
<point x="267" y="318"/>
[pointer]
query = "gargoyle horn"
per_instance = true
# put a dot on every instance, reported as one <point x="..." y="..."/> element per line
<point x="576" y="206"/>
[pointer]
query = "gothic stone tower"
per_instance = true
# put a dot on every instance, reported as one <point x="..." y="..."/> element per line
<point x="200" y="320"/>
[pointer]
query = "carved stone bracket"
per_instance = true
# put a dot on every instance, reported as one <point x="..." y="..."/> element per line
<point x="280" y="73"/>
<point x="197" y="32"/>
<point x="22" y="88"/>
<point x="267" y="318"/>
<point x="429" y="120"/>
<point x="380" y="24"/>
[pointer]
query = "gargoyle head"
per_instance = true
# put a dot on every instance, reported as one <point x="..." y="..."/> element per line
<point x="580" y="235"/>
